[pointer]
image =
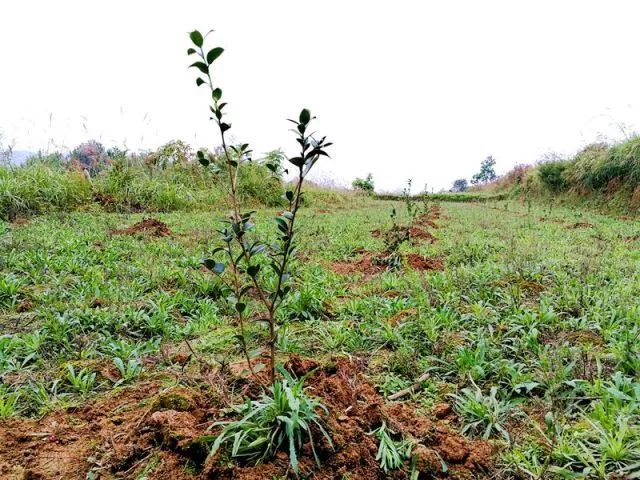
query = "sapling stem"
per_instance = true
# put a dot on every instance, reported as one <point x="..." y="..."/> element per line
<point x="245" y="273"/>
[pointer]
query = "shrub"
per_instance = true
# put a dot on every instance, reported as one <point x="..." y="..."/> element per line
<point x="365" y="185"/>
<point x="175" y="152"/>
<point x="255" y="182"/>
<point x="516" y="175"/>
<point x="551" y="174"/>
<point x="459" y="185"/>
<point x="89" y="156"/>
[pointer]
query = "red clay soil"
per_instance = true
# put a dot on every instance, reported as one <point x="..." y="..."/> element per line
<point x="420" y="263"/>
<point x="112" y="435"/>
<point x="416" y="233"/>
<point x="427" y="222"/>
<point x="150" y="226"/>
<point x="356" y="409"/>
<point x="365" y="264"/>
<point x="117" y="435"/>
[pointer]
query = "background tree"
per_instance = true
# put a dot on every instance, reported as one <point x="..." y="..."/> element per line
<point x="90" y="156"/>
<point x="176" y="152"/>
<point x="364" y="184"/>
<point x="487" y="173"/>
<point x="460" y="185"/>
<point x="274" y="161"/>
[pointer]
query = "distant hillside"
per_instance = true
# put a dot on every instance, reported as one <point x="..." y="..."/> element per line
<point x="602" y="176"/>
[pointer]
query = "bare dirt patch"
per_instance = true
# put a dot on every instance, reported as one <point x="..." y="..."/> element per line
<point x="116" y="436"/>
<point x="368" y="264"/>
<point x="421" y="263"/>
<point x="365" y="265"/>
<point x="148" y="226"/>
<point x="417" y="233"/>
<point x="355" y="410"/>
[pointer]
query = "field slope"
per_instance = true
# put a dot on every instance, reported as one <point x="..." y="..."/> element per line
<point x="117" y="355"/>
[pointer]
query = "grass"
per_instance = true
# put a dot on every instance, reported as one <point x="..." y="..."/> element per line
<point x="39" y="187"/>
<point x="532" y="314"/>
<point x="602" y="177"/>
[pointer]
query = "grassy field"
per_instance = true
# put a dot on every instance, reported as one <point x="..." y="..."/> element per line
<point x="117" y="354"/>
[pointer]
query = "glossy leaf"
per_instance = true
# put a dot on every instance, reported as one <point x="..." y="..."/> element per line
<point x="213" y="54"/>
<point x="305" y="116"/>
<point x="196" y="38"/>
<point x="200" y="66"/>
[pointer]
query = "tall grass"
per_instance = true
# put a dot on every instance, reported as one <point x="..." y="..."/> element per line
<point x="124" y="186"/>
<point x="597" y="167"/>
<point x="39" y="188"/>
<point x="605" y="176"/>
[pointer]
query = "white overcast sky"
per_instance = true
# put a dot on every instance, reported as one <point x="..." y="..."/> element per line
<point x="419" y="89"/>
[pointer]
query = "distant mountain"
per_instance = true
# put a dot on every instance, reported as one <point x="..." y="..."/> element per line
<point x="19" y="156"/>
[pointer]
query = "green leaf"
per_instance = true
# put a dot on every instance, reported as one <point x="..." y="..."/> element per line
<point x="213" y="54"/>
<point x="212" y="265"/>
<point x="201" y="66"/>
<point x="253" y="270"/>
<point x="191" y="51"/>
<point x="240" y="307"/>
<point x="289" y="195"/>
<point x="297" y="161"/>
<point x="196" y="38"/>
<point x="200" y="81"/>
<point x="204" y="161"/>
<point x="305" y="116"/>
<point x="216" y="94"/>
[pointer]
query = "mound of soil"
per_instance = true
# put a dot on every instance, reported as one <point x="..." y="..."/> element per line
<point x="149" y="226"/>
<point x="117" y="435"/>
<point x="365" y="264"/>
<point x="417" y="233"/>
<point x="420" y="263"/>
<point x="355" y="410"/>
<point x="368" y="265"/>
<point x="427" y="222"/>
